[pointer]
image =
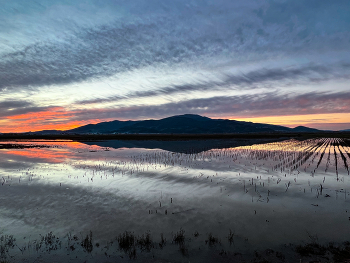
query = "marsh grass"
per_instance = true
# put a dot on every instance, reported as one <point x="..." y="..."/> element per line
<point x="230" y="237"/>
<point x="311" y="249"/>
<point x="129" y="243"/>
<point x="7" y="242"/>
<point x="330" y="252"/>
<point x="87" y="243"/>
<point x="126" y="241"/>
<point x="179" y="237"/>
<point x="145" y="242"/>
<point x="162" y="242"/>
<point x="212" y="240"/>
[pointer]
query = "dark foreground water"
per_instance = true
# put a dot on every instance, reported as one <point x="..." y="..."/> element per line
<point x="112" y="201"/>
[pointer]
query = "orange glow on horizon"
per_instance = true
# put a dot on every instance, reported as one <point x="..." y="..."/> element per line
<point x="310" y="120"/>
<point x="58" y="118"/>
<point x="54" y="118"/>
<point x="30" y="126"/>
<point x="54" y="112"/>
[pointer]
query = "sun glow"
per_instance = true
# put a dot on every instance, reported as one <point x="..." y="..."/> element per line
<point x="335" y="120"/>
<point x="54" y="118"/>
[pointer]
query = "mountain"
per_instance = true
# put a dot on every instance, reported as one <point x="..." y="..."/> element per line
<point x="103" y="127"/>
<point x="196" y="124"/>
<point x="181" y="124"/>
<point x="187" y="123"/>
<point x="47" y="132"/>
<point x="304" y="129"/>
<point x="347" y="130"/>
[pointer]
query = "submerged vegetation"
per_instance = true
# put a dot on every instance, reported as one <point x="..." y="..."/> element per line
<point x="143" y="246"/>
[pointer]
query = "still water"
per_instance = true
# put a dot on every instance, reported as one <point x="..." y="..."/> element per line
<point x="115" y="201"/>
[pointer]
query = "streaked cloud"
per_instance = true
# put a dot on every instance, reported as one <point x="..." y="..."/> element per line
<point x="250" y="80"/>
<point x="238" y="107"/>
<point x="90" y="60"/>
<point x="16" y="107"/>
<point x="267" y="104"/>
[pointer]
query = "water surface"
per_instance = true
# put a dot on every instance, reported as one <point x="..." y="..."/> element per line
<point x="226" y="203"/>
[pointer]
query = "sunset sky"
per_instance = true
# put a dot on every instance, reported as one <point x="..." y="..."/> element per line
<point x="68" y="63"/>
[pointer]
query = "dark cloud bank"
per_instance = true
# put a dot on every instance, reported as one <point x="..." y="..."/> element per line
<point x="170" y="33"/>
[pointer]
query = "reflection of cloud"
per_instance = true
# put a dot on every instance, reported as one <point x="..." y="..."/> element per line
<point x="52" y="151"/>
<point x="43" y="155"/>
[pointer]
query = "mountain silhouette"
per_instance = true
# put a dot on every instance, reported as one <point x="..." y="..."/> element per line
<point x="181" y="124"/>
<point x="304" y="129"/>
<point x="185" y="124"/>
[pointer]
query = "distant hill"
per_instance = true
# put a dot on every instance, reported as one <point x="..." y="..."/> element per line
<point x="347" y="130"/>
<point x="103" y="127"/>
<point x="181" y="124"/>
<point x="197" y="124"/>
<point x="47" y="132"/>
<point x="304" y="129"/>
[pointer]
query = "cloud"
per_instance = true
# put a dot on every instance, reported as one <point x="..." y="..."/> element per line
<point x="159" y="33"/>
<point x="274" y="78"/>
<point x="105" y="50"/>
<point x="267" y="104"/>
<point x="5" y="105"/>
<point x="40" y="118"/>
<point x="63" y="46"/>
<point x="16" y="107"/>
<point x="310" y="14"/>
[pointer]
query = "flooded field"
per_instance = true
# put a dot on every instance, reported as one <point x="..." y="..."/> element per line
<point x="115" y="201"/>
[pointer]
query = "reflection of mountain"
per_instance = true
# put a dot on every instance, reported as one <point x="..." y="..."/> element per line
<point x="181" y="124"/>
<point x="191" y="146"/>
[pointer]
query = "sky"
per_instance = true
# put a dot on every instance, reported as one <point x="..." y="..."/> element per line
<point x="65" y="63"/>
